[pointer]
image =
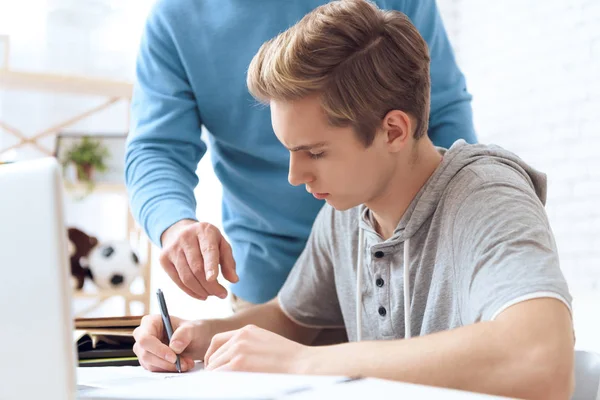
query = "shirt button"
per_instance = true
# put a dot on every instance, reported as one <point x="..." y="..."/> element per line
<point x="379" y="254"/>
<point x="379" y="282"/>
<point x="382" y="311"/>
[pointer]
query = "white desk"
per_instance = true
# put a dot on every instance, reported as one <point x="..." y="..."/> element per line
<point x="111" y="383"/>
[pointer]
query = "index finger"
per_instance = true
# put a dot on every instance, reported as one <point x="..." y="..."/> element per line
<point x="171" y="270"/>
<point x="151" y="344"/>
<point x="209" y="246"/>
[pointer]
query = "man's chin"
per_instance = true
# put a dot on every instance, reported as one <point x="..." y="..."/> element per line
<point x="340" y="205"/>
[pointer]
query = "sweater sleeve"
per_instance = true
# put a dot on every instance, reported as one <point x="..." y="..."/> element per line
<point x="164" y="144"/>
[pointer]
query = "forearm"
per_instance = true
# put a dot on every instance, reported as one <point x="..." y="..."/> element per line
<point x="164" y="144"/>
<point x="268" y="316"/>
<point x="160" y="188"/>
<point x="476" y="358"/>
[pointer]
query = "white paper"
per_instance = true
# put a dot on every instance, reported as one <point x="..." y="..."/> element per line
<point x="110" y="383"/>
<point x="136" y="383"/>
<point x="384" y="389"/>
<point x="110" y="377"/>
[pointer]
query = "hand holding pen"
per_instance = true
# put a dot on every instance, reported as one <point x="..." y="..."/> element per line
<point x="164" y="312"/>
<point x="162" y="338"/>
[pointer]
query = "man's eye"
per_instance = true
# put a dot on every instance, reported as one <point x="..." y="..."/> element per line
<point x="316" y="156"/>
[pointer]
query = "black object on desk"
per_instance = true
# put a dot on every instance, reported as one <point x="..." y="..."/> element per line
<point x="106" y="341"/>
<point x="106" y="350"/>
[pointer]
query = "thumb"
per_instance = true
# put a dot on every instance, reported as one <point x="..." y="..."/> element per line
<point x="181" y="339"/>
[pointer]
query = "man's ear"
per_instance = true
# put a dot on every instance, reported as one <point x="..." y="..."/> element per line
<point x="398" y="127"/>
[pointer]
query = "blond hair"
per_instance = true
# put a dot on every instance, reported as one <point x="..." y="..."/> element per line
<point x="362" y="61"/>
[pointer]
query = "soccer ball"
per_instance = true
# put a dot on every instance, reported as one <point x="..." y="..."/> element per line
<point x="113" y="265"/>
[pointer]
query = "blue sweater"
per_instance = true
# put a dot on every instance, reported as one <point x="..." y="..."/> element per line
<point x="191" y="71"/>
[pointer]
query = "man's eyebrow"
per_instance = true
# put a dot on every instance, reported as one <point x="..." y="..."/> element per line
<point x="305" y="147"/>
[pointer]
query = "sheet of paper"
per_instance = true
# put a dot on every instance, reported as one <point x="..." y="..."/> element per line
<point x="384" y="389"/>
<point x="78" y="334"/>
<point x="110" y="377"/>
<point x="199" y="384"/>
<point x="110" y="383"/>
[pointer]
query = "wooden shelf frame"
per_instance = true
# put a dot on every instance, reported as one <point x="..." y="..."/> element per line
<point x="114" y="91"/>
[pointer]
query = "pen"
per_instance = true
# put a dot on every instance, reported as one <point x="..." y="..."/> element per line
<point x="167" y="321"/>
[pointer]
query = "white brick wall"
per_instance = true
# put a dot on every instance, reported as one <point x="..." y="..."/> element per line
<point x="533" y="68"/>
<point x="534" y="71"/>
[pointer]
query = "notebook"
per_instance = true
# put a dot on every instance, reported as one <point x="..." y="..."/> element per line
<point x="106" y="341"/>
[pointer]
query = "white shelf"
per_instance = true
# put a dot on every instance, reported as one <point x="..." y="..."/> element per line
<point x="56" y="83"/>
<point x="100" y="187"/>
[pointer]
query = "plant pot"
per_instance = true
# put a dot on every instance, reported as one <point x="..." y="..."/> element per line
<point x="85" y="173"/>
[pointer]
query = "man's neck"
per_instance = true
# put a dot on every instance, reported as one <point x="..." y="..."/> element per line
<point x="390" y="206"/>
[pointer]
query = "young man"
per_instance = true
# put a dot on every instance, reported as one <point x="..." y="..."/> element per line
<point x="440" y="264"/>
<point x="190" y="74"/>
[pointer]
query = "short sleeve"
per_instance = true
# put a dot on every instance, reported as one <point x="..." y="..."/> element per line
<point x="309" y="295"/>
<point x="505" y="251"/>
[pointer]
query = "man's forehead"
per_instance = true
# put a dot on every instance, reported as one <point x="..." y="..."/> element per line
<point x="298" y="123"/>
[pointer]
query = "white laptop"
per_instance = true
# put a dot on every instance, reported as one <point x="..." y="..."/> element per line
<point x="37" y="352"/>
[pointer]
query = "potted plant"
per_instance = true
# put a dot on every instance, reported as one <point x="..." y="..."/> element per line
<point x="88" y="156"/>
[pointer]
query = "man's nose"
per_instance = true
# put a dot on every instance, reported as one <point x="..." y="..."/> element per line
<point x="298" y="172"/>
